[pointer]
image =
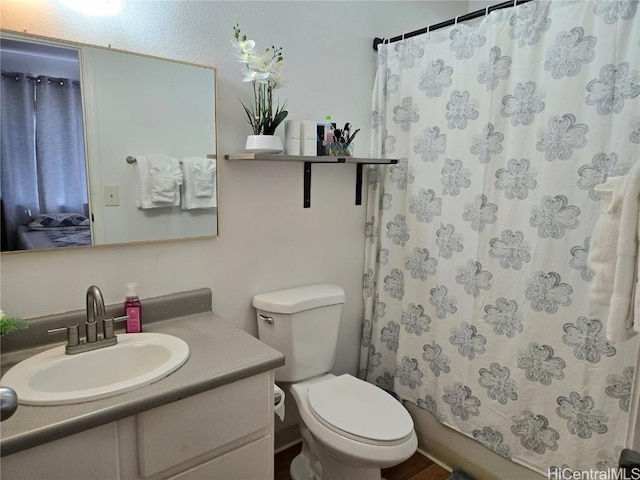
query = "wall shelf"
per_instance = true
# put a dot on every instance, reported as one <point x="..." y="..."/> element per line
<point x="308" y="161"/>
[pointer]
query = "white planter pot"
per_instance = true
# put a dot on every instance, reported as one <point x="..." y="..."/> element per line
<point x="263" y="144"/>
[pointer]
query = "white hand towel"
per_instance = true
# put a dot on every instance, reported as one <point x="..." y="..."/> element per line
<point x="603" y="247"/>
<point x="158" y="180"/>
<point x="143" y="191"/>
<point x="199" y="187"/>
<point x="624" y="321"/>
<point x="165" y="180"/>
<point x="203" y="178"/>
<point x="613" y="256"/>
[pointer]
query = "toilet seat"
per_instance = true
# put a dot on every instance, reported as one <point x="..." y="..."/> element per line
<point x="360" y="411"/>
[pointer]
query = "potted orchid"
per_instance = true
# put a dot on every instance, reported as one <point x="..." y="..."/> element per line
<point x="264" y="72"/>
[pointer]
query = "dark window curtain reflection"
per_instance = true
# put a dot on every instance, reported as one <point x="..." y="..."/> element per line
<point x="43" y="163"/>
<point x="18" y="186"/>
<point x="60" y="146"/>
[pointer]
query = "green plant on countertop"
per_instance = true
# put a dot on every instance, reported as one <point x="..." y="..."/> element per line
<point x="10" y="324"/>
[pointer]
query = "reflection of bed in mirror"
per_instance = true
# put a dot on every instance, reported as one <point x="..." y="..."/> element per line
<point x="54" y="231"/>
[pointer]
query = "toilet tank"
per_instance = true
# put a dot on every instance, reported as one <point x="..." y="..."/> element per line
<point x="303" y="324"/>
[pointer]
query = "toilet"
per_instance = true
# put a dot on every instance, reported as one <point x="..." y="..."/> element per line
<point x="350" y="429"/>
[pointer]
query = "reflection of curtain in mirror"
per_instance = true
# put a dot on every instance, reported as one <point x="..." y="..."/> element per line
<point x="60" y="146"/>
<point x="43" y="166"/>
<point x="18" y="172"/>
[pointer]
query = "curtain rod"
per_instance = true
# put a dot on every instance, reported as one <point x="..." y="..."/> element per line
<point x="16" y="76"/>
<point x="131" y="160"/>
<point x="462" y="18"/>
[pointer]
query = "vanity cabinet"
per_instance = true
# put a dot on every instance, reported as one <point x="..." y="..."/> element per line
<point x="225" y="432"/>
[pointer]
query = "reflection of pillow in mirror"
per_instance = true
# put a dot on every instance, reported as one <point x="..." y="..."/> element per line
<point x="59" y="220"/>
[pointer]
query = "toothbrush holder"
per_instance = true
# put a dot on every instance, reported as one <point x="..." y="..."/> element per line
<point x="340" y="149"/>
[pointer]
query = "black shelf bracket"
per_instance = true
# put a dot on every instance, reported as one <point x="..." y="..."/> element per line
<point x="307" y="184"/>
<point x="359" y="174"/>
<point x="307" y="179"/>
<point x="359" y="183"/>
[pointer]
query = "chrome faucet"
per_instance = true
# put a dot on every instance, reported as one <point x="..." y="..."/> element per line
<point x="95" y="307"/>
<point x="95" y="311"/>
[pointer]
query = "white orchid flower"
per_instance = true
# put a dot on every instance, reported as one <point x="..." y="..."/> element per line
<point x="244" y="46"/>
<point x="276" y="79"/>
<point x="258" y="62"/>
<point x="247" y="46"/>
<point x="245" y="57"/>
<point x="254" y="76"/>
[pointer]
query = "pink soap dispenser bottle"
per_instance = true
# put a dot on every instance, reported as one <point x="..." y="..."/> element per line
<point x="133" y="309"/>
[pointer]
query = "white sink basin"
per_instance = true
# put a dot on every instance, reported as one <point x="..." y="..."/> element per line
<point x="54" y="378"/>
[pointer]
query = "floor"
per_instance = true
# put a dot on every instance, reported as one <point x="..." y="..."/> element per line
<point x="418" y="467"/>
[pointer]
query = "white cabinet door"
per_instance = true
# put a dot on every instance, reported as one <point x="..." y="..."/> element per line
<point x="253" y="461"/>
<point x="180" y="431"/>
<point x="88" y="455"/>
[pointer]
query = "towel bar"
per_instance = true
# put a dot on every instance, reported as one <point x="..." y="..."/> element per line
<point x="131" y="160"/>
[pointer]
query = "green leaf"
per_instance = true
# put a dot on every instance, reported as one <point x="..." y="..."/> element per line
<point x="279" y="118"/>
<point x="10" y="324"/>
<point x="255" y="125"/>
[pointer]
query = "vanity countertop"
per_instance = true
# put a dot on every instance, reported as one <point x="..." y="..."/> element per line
<point x="219" y="354"/>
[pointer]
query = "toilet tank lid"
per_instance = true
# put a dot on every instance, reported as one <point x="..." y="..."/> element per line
<point x="298" y="299"/>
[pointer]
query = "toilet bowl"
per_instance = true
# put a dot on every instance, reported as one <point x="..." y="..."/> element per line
<point x="350" y="429"/>
<point x="356" y="428"/>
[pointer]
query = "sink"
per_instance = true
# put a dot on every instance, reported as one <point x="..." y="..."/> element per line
<point x="54" y="378"/>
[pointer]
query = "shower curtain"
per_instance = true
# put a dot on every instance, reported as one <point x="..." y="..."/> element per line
<point x="476" y="280"/>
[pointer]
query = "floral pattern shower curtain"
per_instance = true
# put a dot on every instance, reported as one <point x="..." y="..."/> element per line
<point x="476" y="280"/>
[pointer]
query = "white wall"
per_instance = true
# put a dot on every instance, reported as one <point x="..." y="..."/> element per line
<point x="267" y="239"/>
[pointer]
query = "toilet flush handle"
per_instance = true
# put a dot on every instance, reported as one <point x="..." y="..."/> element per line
<point x="269" y="320"/>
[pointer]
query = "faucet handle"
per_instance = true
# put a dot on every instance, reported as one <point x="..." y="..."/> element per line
<point x="107" y="325"/>
<point x="73" y="334"/>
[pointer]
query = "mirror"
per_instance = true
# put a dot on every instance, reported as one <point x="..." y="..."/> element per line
<point x="68" y="183"/>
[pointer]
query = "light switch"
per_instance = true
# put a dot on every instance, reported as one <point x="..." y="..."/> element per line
<point x="111" y="196"/>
